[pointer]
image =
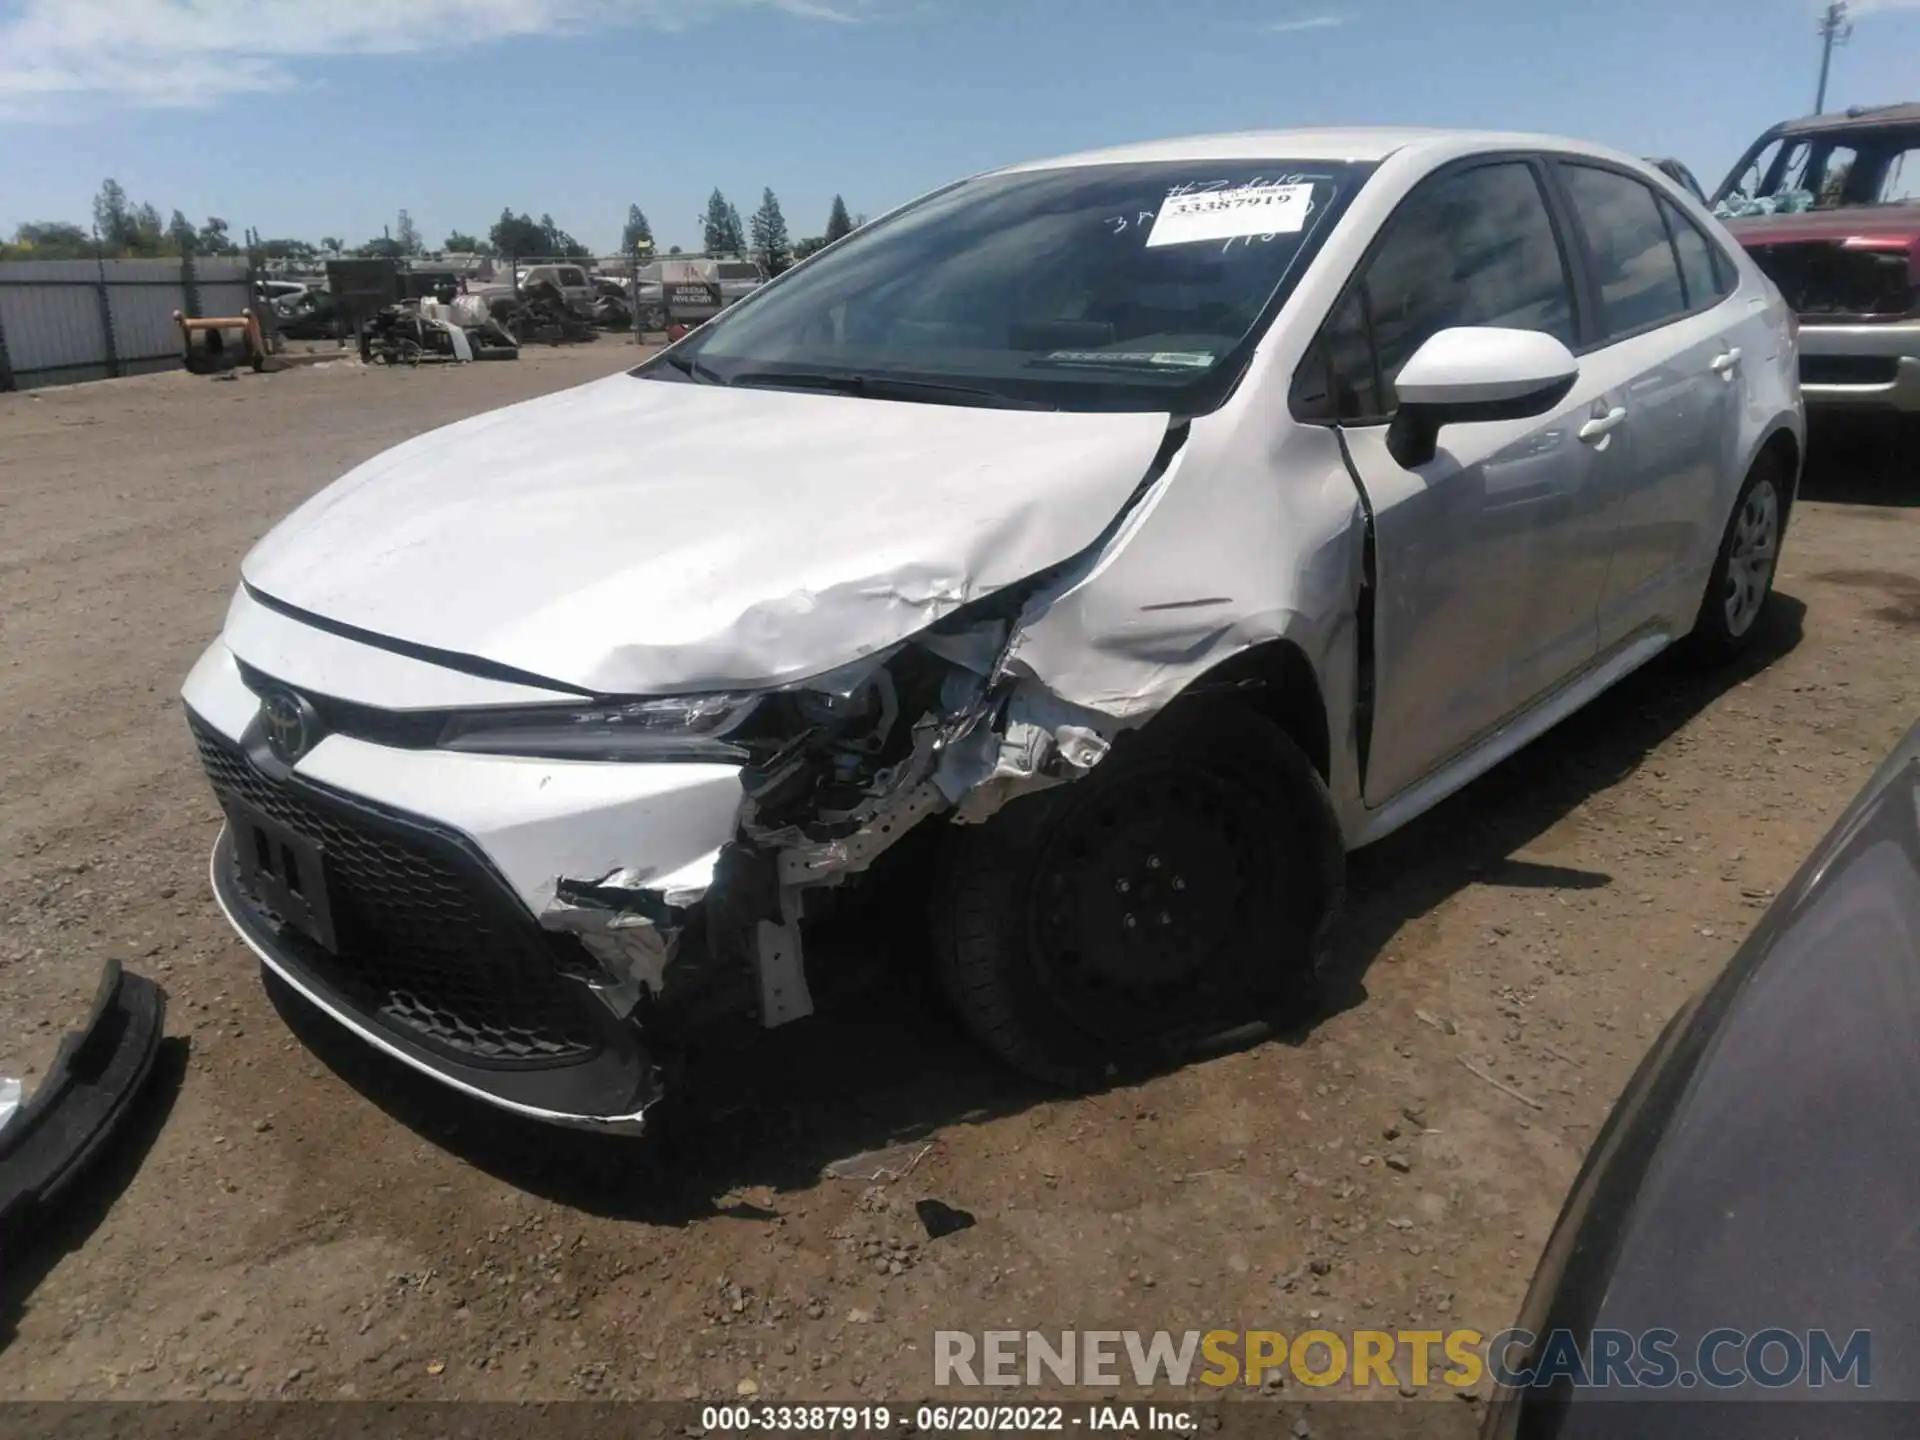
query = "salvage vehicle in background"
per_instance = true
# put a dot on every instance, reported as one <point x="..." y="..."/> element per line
<point x="1829" y="208"/>
<point x="1750" y="1176"/>
<point x="729" y="281"/>
<point x="569" y="282"/>
<point x="1269" y="489"/>
<point x="737" y="279"/>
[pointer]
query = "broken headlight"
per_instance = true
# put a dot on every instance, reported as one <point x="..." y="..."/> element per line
<point x="675" y="727"/>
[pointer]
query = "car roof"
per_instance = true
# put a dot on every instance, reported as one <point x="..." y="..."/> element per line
<point x="1361" y="144"/>
<point x="1858" y="115"/>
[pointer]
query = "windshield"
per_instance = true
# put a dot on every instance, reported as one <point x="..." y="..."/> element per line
<point x="1132" y="287"/>
<point x="1826" y="172"/>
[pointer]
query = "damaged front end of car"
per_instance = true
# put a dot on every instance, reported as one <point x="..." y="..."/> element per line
<point x="834" y="773"/>
<point x="947" y="726"/>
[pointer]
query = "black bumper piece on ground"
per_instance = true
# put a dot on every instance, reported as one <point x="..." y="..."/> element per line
<point x="432" y="959"/>
<point x="87" y="1096"/>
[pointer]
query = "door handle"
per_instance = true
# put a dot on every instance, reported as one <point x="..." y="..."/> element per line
<point x="1602" y="426"/>
<point x="1728" y="363"/>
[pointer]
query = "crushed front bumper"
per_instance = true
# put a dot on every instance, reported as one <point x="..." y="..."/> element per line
<point x="422" y="880"/>
<point x="1861" y="367"/>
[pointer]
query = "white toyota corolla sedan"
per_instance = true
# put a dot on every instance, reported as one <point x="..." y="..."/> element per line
<point x="1142" y="530"/>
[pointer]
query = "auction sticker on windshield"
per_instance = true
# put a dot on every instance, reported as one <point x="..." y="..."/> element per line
<point x="1230" y="214"/>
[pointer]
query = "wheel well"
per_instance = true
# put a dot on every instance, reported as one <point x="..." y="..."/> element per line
<point x="1782" y="445"/>
<point x="1277" y="682"/>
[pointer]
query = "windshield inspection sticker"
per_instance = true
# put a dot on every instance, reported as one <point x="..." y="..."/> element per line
<point x="1230" y="214"/>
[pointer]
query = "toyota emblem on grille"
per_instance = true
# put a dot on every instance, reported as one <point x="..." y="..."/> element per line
<point x="290" y="724"/>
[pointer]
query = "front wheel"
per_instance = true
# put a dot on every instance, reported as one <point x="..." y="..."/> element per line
<point x="1742" y="579"/>
<point x="1175" y="892"/>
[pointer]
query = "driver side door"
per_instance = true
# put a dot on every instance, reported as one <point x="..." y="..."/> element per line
<point x="1490" y="559"/>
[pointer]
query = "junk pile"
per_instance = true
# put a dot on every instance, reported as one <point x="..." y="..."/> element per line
<point x="430" y="332"/>
<point x="540" y="315"/>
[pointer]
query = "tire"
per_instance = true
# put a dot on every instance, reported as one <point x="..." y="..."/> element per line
<point x="1741" y="581"/>
<point x="1181" y="889"/>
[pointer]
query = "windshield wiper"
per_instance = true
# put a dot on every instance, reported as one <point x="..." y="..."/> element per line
<point x="692" y="368"/>
<point x="888" y="387"/>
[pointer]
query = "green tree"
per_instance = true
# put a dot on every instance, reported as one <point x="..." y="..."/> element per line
<point x="770" y="240"/>
<point x="516" y="235"/>
<point x="49" y="240"/>
<point x="149" y="234"/>
<point x="113" y="216"/>
<point x="180" y="234"/>
<point x="287" y="249"/>
<point x="803" y="248"/>
<point x="637" y="229"/>
<point x="723" y="233"/>
<point x="214" y="239"/>
<point x="408" y="235"/>
<point x="332" y="244"/>
<point x="839" y="222"/>
<point x="462" y="243"/>
<point x="559" y="242"/>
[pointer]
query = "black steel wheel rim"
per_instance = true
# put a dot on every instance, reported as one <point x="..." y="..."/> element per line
<point x="1148" y="901"/>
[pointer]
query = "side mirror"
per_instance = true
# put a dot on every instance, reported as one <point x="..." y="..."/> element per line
<point x="1471" y="375"/>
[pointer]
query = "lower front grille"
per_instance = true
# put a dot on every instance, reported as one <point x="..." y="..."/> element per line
<point x="1849" y="369"/>
<point x="429" y="942"/>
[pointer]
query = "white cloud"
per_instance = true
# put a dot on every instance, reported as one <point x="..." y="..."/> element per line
<point x="196" y="52"/>
<point x="1309" y="22"/>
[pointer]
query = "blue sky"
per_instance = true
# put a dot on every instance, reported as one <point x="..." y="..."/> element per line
<point x="326" y="117"/>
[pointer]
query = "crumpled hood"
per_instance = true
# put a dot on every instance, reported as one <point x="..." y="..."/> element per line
<point x="636" y="536"/>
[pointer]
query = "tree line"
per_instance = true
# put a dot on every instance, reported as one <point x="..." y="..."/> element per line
<point x="125" y="229"/>
<point x="766" y="237"/>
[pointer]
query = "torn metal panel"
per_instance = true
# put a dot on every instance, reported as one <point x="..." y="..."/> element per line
<point x="778" y="965"/>
<point x="1142" y="621"/>
<point x="1040" y="741"/>
<point x="630" y="923"/>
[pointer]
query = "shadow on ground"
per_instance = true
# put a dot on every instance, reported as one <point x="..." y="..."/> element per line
<point x="31" y="1257"/>
<point x="881" y="1063"/>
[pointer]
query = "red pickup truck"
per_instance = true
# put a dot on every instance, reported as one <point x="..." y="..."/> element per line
<point x="1829" y="207"/>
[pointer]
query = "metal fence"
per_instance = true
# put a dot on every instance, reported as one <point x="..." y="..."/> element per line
<point x="67" y="320"/>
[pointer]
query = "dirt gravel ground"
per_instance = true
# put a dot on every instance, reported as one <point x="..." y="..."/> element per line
<point x="296" y="1219"/>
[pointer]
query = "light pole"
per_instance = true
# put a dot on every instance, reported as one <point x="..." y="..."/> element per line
<point x="1835" y="29"/>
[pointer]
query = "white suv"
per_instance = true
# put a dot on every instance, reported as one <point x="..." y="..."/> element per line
<point x="1145" y="529"/>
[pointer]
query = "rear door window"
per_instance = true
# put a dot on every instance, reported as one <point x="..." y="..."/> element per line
<point x="1702" y="278"/>
<point x="1635" y="268"/>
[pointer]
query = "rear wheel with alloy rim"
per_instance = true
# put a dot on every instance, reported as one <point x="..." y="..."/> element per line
<point x="1175" y="892"/>
<point x="1743" y="571"/>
